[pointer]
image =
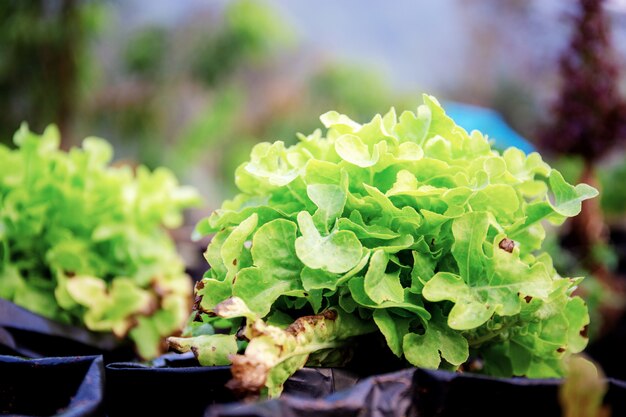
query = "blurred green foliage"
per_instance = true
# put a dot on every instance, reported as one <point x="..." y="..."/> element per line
<point x="597" y="296"/>
<point x="614" y="195"/>
<point x="248" y="33"/>
<point x="230" y="86"/>
<point x="45" y="65"/>
<point x="354" y="89"/>
<point x="572" y="262"/>
<point x="145" y="52"/>
<point x="194" y="96"/>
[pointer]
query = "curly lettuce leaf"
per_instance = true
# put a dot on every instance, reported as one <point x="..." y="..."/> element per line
<point x="484" y="284"/>
<point x="274" y="354"/>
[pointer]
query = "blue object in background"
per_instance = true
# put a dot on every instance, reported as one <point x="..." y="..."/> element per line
<point x="489" y="122"/>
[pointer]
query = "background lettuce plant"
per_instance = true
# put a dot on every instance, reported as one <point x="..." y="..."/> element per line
<point x="408" y="226"/>
<point x="81" y="242"/>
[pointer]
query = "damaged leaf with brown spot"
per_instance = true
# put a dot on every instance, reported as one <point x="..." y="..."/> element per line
<point x="507" y="245"/>
<point x="274" y="354"/>
<point x="234" y="307"/>
<point x="210" y="350"/>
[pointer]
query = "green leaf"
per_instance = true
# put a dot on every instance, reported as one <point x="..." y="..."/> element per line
<point x="276" y="269"/>
<point x="470" y="231"/>
<point x="322" y="172"/>
<point x="330" y="200"/>
<point x="225" y="218"/>
<point x="379" y="130"/>
<point x="440" y="124"/>
<point x="336" y="121"/>
<point x="12" y="282"/>
<point x="423" y="270"/>
<point x="393" y="327"/>
<point x="438" y="341"/>
<point x="317" y="279"/>
<point x="259" y="290"/>
<point x="234" y="307"/>
<point x="499" y="199"/>
<point x="363" y="231"/>
<point x="409" y="151"/>
<point x="213" y="254"/>
<point x="213" y="292"/>
<point x="273" y="249"/>
<point x="409" y="303"/>
<point x="578" y="318"/>
<point x="210" y="350"/>
<point x="233" y="245"/>
<point x="422" y="350"/>
<point x="352" y="149"/>
<point x="269" y="164"/>
<point x="567" y="202"/>
<point x="414" y="127"/>
<point x="567" y="198"/>
<point x="379" y="285"/>
<point x="146" y="337"/>
<point x="275" y="354"/>
<point x="338" y="252"/>
<point x="469" y="310"/>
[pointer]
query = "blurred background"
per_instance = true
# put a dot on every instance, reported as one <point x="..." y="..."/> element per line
<point x="193" y="84"/>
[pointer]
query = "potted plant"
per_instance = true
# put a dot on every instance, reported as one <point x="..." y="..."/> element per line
<point x="409" y="228"/>
<point x="82" y="244"/>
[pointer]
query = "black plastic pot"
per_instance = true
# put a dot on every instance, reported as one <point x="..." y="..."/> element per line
<point x="175" y="385"/>
<point x="25" y="333"/>
<point x="418" y="392"/>
<point x="172" y="387"/>
<point x="381" y="395"/>
<point x="68" y="387"/>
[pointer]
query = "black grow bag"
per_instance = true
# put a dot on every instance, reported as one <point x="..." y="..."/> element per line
<point x="174" y="384"/>
<point x="25" y="333"/>
<point x="68" y="386"/>
<point x="426" y="393"/>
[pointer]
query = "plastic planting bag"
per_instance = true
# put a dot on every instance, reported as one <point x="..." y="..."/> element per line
<point x="422" y="392"/>
<point x="71" y="387"/>
<point x="163" y="387"/>
<point x="31" y="335"/>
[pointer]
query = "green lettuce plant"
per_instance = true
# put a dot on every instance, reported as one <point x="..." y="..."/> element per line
<point x="408" y="226"/>
<point x="81" y="241"/>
